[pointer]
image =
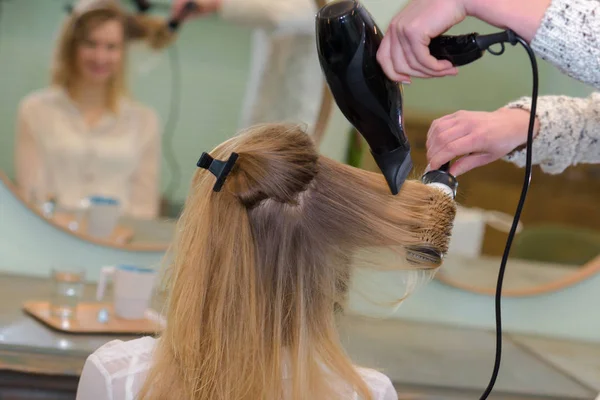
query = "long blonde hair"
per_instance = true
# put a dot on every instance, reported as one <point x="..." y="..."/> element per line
<point x="257" y="268"/>
<point x="77" y="28"/>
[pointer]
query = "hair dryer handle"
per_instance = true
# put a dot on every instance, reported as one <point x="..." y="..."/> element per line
<point x="464" y="49"/>
<point x="458" y="49"/>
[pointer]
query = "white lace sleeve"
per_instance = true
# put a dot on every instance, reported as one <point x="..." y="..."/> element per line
<point x="94" y="383"/>
<point x="390" y="393"/>
<point x="380" y="384"/>
<point x="116" y="370"/>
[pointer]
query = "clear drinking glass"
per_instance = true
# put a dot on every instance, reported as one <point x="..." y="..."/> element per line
<point x="68" y="289"/>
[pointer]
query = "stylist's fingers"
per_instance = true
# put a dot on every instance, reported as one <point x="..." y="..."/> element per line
<point x="437" y="128"/>
<point x="402" y="54"/>
<point x="415" y="47"/>
<point x="434" y="67"/>
<point x="392" y="56"/>
<point x="448" y="136"/>
<point x="464" y="145"/>
<point x="411" y="32"/>
<point x="471" y="161"/>
<point x="384" y="58"/>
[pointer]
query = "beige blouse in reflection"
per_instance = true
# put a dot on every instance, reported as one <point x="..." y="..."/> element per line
<point x="58" y="154"/>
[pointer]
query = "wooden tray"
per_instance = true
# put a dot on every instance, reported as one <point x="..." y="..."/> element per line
<point x="86" y="320"/>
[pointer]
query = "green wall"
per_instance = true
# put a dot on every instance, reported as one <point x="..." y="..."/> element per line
<point x="213" y="62"/>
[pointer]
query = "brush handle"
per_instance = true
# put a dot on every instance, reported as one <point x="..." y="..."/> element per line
<point x="445" y="167"/>
<point x="443" y="180"/>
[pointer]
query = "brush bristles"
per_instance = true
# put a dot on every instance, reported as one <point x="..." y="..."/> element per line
<point x="435" y="231"/>
<point x="442" y="214"/>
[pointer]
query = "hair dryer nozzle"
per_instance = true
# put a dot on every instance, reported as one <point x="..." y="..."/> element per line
<point x="347" y="44"/>
<point x="176" y="20"/>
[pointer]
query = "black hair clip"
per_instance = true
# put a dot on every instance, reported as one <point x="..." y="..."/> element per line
<point x="218" y="168"/>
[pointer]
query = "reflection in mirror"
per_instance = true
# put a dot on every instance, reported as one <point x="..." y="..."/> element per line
<point x="557" y="242"/>
<point x="543" y="255"/>
<point x="109" y="109"/>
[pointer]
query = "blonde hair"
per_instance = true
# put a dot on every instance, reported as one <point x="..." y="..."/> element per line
<point x="85" y="19"/>
<point x="257" y="268"/>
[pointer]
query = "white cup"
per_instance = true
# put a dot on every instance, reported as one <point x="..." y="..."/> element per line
<point x="102" y="215"/>
<point x="132" y="289"/>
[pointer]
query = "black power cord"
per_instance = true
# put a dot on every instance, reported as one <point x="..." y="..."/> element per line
<point x="175" y="96"/>
<point x="174" y="24"/>
<point x="172" y="119"/>
<point x="513" y="39"/>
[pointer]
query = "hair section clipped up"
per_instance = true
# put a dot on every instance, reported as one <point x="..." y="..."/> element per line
<point x="262" y="258"/>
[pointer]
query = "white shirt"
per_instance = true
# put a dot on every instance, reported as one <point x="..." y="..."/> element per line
<point x="58" y="154"/>
<point x="286" y="81"/>
<point x="116" y="371"/>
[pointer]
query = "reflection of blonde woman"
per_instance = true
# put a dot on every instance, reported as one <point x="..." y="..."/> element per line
<point x="256" y="271"/>
<point x="285" y="81"/>
<point x="82" y="135"/>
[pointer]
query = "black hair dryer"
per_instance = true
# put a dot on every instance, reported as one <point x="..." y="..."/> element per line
<point x="347" y="44"/>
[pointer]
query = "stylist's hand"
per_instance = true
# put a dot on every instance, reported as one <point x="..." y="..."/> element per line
<point x="404" y="51"/>
<point x="202" y="7"/>
<point x="477" y="137"/>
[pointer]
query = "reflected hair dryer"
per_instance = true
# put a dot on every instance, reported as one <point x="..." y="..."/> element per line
<point x="143" y="6"/>
<point x="175" y="20"/>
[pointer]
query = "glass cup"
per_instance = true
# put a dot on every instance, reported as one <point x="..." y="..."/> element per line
<point x="68" y="285"/>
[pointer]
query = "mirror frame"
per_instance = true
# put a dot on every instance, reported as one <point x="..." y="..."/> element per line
<point x="140" y="247"/>
<point x="586" y="271"/>
<point x="318" y="132"/>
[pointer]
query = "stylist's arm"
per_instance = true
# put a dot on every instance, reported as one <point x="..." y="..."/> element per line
<point x="404" y="52"/>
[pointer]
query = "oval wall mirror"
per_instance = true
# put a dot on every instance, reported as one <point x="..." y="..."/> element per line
<point x="101" y="134"/>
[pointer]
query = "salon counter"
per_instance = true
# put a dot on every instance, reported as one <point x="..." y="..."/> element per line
<point x="37" y="362"/>
<point x="427" y="361"/>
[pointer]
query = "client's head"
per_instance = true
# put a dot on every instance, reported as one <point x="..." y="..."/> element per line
<point x="92" y="47"/>
<point x="258" y="266"/>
